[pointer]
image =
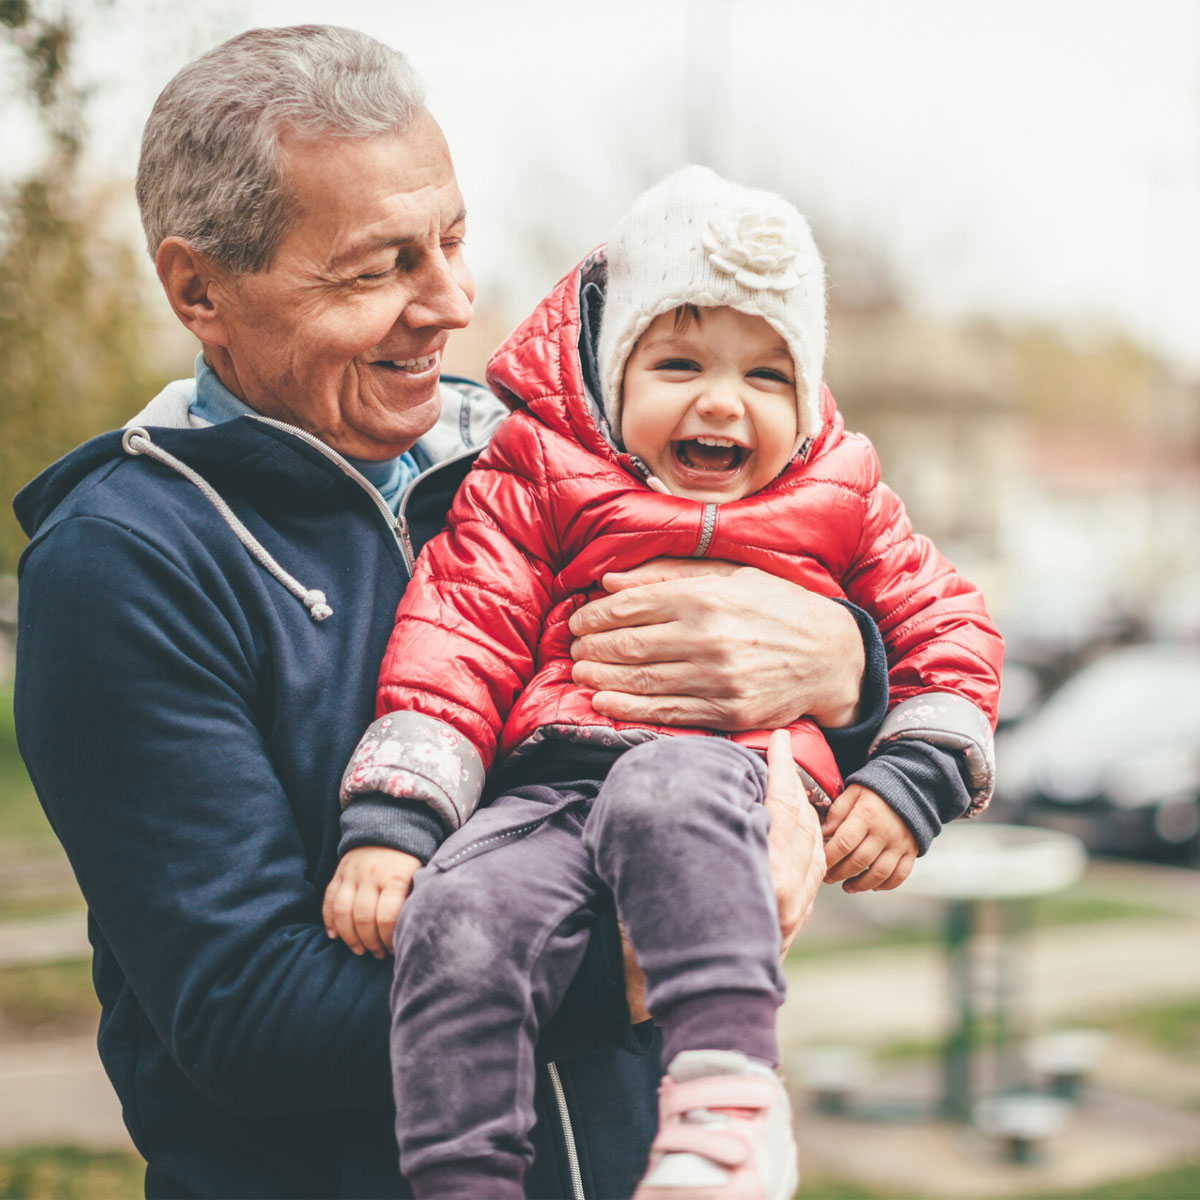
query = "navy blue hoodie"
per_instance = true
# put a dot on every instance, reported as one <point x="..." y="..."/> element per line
<point x="185" y="721"/>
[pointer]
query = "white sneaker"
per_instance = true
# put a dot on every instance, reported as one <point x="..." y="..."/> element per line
<point x="724" y="1132"/>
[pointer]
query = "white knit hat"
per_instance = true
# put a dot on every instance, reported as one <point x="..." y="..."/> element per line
<point x="696" y="238"/>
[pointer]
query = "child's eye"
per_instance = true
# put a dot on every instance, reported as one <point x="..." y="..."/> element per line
<point x="771" y="374"/>
<point x="677" y="364"/>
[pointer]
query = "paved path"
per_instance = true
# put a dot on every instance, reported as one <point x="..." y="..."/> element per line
<point x="44" y="939"/>
<point x="56" y="1091"/>
<point x="887" y="995"/>
<point x="53" y="1090"/>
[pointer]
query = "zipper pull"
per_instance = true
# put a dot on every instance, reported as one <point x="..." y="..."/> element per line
<point x="405" y="540"/>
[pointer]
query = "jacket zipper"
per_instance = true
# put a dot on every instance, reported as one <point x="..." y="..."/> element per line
<point x="397" y="523"/>
<point x="406" y="546"/>
<point x="707" y="528"/>
<point x="402" y="531"/>
<point x="568" y="1132"/>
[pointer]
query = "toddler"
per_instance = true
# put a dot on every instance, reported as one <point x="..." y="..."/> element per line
<point x="667" y="400"/>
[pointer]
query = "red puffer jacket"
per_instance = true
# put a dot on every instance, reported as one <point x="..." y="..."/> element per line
<point x="481" y="643"/>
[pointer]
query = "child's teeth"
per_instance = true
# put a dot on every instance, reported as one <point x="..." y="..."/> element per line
<point x="712" y="441"/>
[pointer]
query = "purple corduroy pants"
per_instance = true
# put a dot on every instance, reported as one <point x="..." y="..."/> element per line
<point x="497" y="924"/>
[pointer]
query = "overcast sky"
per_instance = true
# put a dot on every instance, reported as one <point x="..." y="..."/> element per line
<point x="1034" y="158"/>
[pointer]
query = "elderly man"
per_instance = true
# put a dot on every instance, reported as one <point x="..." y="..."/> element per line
<point x="205" y="600"/>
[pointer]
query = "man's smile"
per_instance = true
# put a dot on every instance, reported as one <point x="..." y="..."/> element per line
<point x="411" y="366"/>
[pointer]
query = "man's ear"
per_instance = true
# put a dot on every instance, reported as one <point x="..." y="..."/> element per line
<point x="195" y="288"/>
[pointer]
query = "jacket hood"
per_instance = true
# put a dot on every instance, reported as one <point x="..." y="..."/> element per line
<point x="540" y="366"/>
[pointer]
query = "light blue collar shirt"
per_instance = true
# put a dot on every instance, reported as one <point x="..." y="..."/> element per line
<point x="214" y="402"/>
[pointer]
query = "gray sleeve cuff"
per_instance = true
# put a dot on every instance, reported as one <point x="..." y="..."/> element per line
<point x="950" y="723"/>
<point x="409" y="756"/>
<point x="396" y="824"/>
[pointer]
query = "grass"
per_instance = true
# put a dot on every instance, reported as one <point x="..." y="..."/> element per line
<point x="1176" y="1183"/>
<point x="72" y="1173"/>
<point x="1172" y="1028"/>
<point x="896" y="937"/>
<point x="1080" y="905"/>
<point x="51" y="902"/>
<point x="21" y="817"/>
<point x="69" y="1173"/>
<point x="25" y="836"/>
<point x="47" y="998"/>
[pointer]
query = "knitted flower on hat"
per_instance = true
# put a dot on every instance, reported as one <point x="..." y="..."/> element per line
<point x="695" y="238"/>
<point x="756" y="250"/>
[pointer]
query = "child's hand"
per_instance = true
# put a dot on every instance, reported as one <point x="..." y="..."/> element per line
<point x="365" y="896"/>
<point x="866" y="843"/>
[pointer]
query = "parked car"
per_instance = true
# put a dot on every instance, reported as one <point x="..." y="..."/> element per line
<point x="1113" y="755"/>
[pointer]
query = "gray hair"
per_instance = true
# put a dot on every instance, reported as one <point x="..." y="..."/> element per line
<point x="211" y="169"/>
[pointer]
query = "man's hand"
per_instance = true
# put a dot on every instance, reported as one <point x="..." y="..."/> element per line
<point x="711" y="644"/>
<point x="866" y="843"/>
<point x="365" y="896"/>
<point x="795" y="851"/>
<point x="795" y="854"/>
<point x="635" y="982"/>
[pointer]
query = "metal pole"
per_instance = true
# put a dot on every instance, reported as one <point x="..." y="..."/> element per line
<point x="960" y="1042"/>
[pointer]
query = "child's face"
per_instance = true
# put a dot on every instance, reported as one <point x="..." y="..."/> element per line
<point x="710" y="407"/>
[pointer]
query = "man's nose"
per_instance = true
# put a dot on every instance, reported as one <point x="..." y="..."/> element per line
<point x="442" y="296"/>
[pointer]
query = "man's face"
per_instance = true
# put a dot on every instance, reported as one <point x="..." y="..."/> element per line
<point x="343" y="334"/>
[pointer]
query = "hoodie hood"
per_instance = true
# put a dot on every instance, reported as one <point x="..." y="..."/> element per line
<point x="247" y="455"/>
<point x="234" y="457"/>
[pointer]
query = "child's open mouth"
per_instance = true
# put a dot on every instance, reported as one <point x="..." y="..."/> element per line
<point x="709" y="454"/>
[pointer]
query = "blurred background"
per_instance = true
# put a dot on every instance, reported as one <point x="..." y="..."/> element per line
<point x="1007" y="196"/>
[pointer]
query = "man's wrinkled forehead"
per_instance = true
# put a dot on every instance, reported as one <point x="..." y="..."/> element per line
<point x="387" y="192"/>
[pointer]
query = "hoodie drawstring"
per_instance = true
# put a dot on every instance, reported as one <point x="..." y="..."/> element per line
<point x="137" y="441"/>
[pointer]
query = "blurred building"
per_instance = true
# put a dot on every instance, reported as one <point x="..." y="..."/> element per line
<point x="1063" y="475"/>
<point x="938" y="402"/>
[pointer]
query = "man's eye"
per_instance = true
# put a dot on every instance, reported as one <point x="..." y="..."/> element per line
<point x="370" y="277"/>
